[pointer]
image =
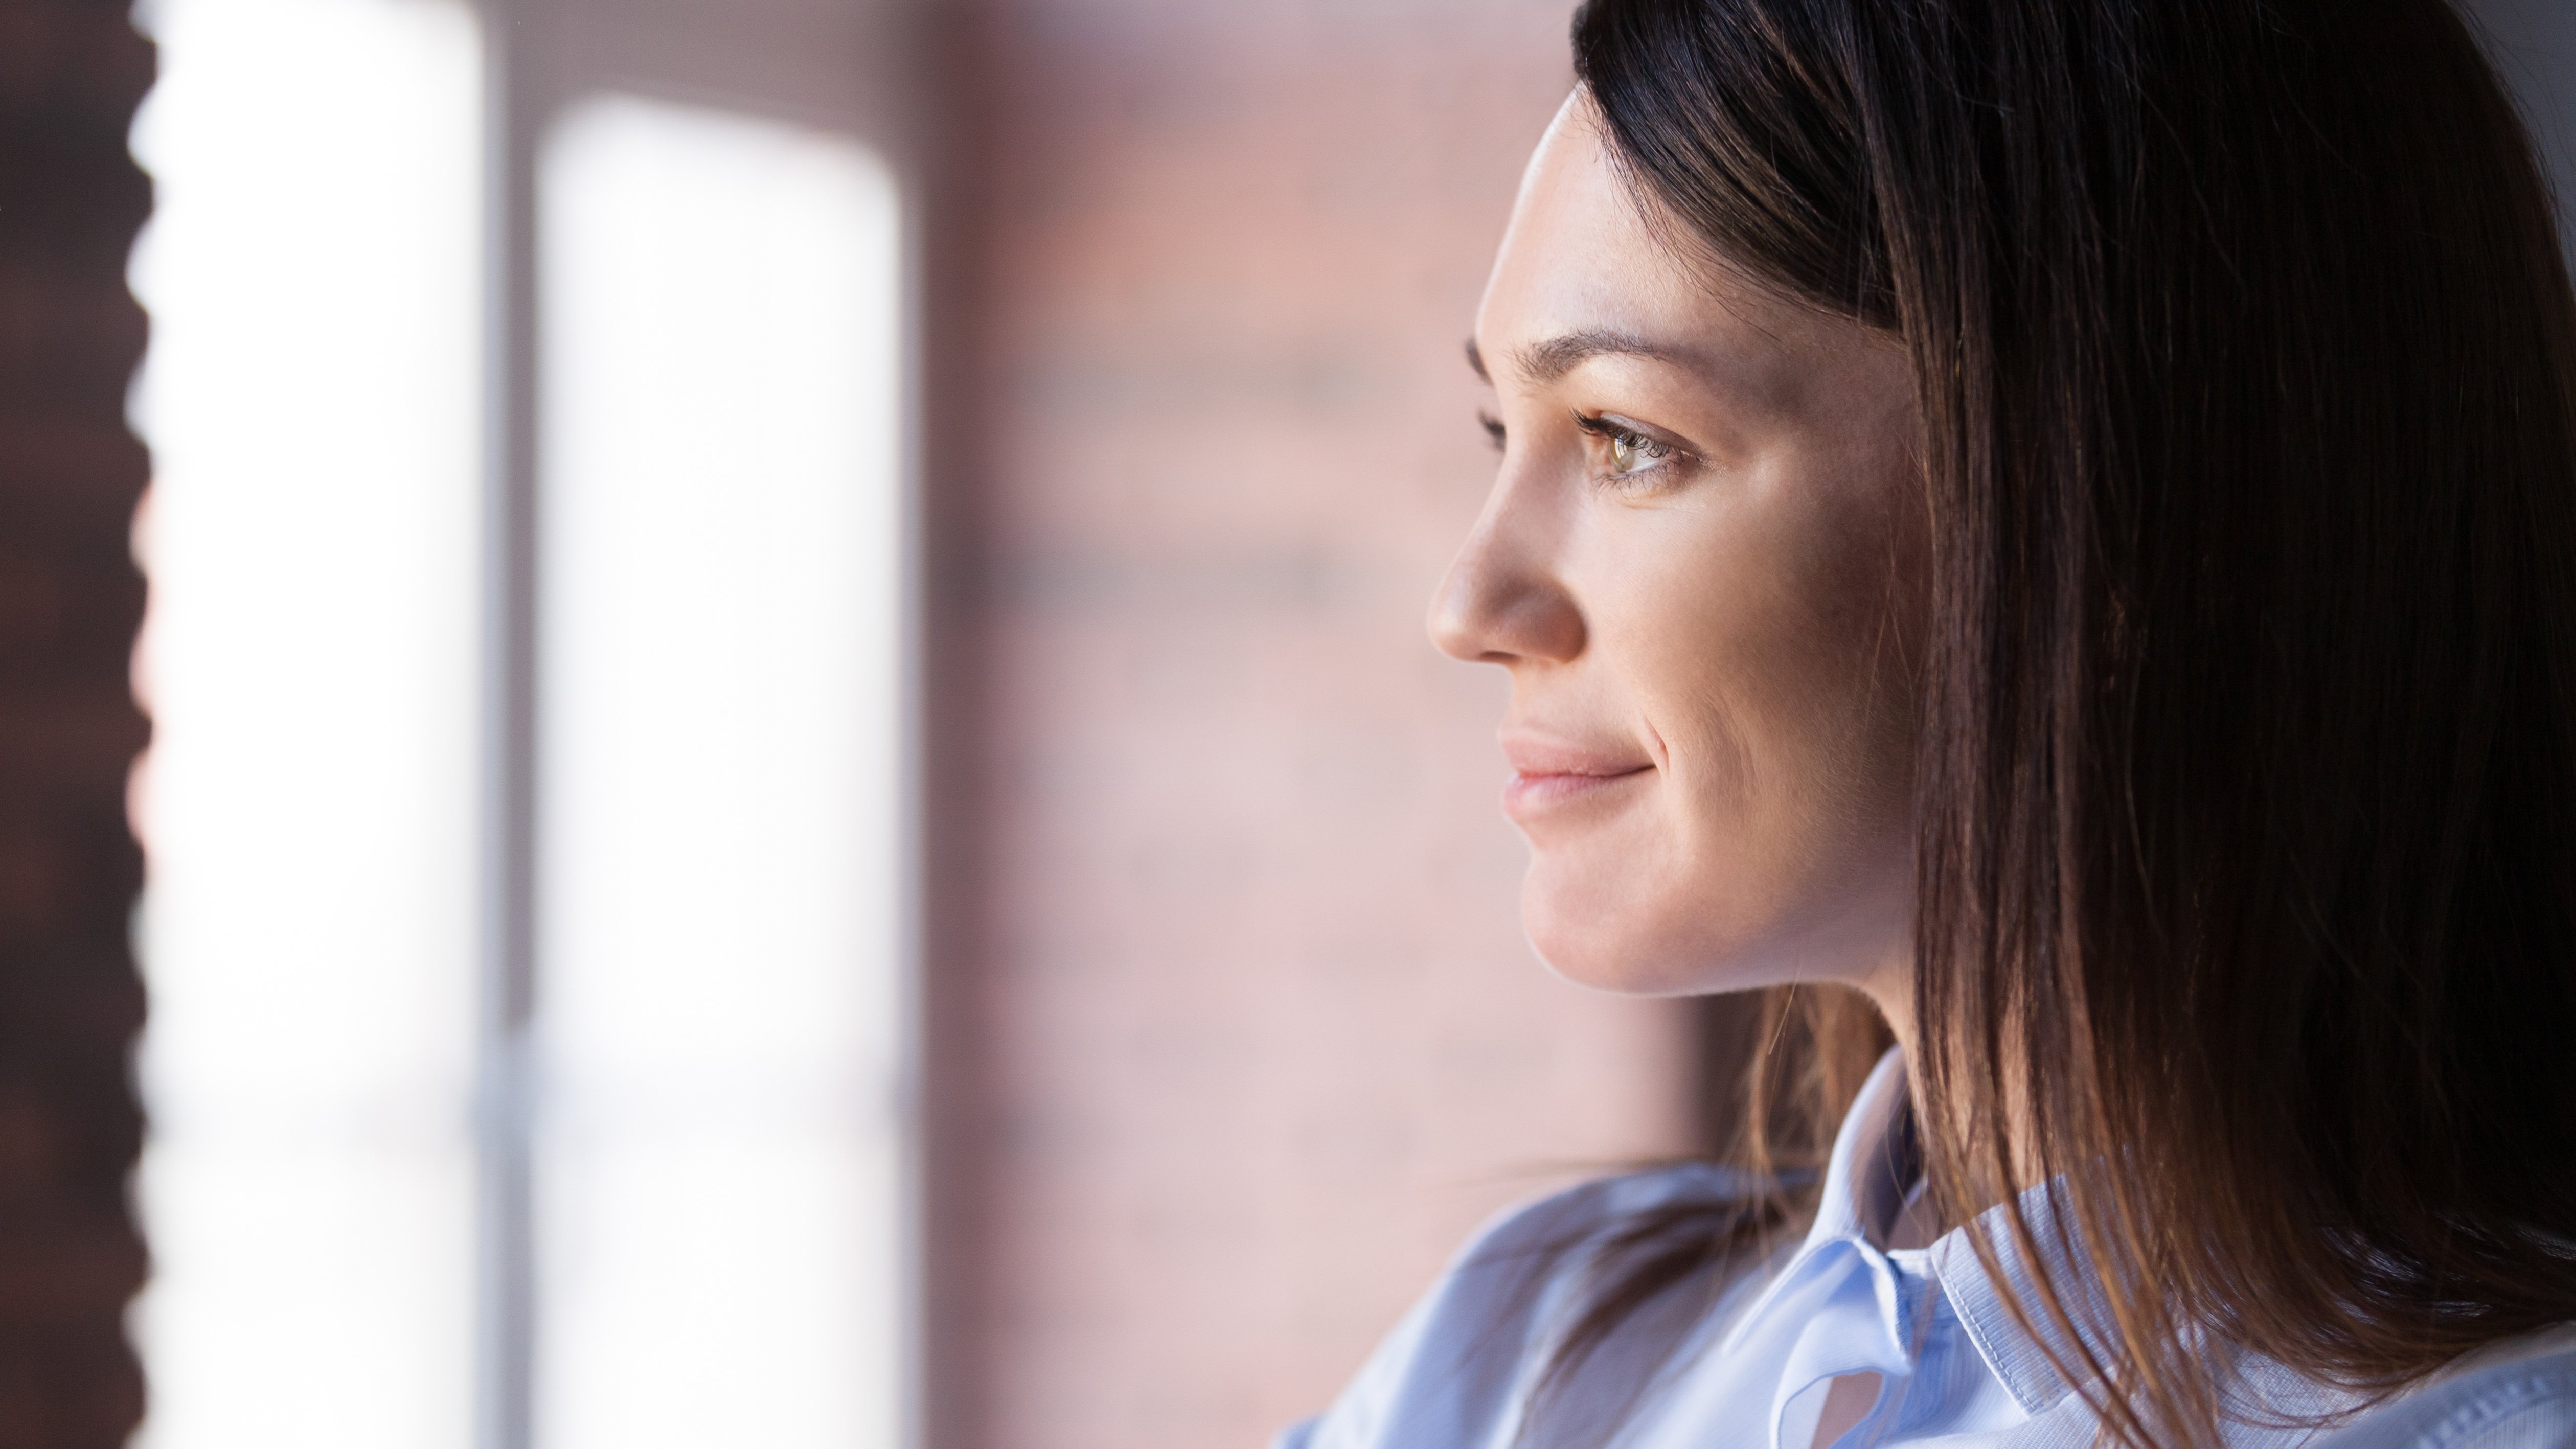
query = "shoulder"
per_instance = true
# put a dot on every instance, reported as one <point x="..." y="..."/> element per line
<point x="1451" y="1374"/>
<point x="1560" y="1234"/>
<point x="2519" y="1394"/>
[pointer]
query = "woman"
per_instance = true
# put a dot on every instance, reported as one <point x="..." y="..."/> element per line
<point x="2041" y="532"/>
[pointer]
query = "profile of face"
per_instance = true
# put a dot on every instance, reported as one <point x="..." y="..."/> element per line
<point x="1702" y="566"/>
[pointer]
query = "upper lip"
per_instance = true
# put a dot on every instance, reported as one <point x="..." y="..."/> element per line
<point x="1536" y="754"/>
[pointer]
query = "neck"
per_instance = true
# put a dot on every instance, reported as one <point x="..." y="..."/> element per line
<point x="1890" y="988"/>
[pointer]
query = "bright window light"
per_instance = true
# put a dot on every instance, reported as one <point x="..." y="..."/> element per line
<point x="309" y="803"/>
<point x="719" y="1154"/>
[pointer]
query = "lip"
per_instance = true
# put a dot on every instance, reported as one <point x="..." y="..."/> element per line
<point x="1549" y="775"/>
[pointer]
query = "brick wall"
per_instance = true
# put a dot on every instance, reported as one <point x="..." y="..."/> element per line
<point x="1235" y="1034"/>
<point x="71" y="72"/>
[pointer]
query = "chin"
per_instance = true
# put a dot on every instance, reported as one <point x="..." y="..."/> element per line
<point x="1608" y="926"/>
<point x="1597" y="940"/>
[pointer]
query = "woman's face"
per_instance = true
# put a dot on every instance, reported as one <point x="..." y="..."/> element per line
<point x="1702" y="566"/>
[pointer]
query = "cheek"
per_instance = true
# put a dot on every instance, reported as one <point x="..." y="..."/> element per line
<point x="1771" y="655"/>
<point x="1763" y="646"/>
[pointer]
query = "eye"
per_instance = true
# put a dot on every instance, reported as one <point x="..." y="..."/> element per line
<point x="1625" y="448"/>
<point x="1631" y="454"/>
<point x="1493" y="429"/>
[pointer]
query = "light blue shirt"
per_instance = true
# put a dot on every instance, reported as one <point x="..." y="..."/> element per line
<point x="1745" y="1355"/>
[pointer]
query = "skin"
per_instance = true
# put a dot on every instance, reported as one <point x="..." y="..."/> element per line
<point x="1702" y="564"/>
<point x="1709" y="599"/>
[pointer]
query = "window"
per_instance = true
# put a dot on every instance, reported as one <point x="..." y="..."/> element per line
<point x="670" y="1199"/>
<point x="719" y="919"/>
<point x="309" y="803"/>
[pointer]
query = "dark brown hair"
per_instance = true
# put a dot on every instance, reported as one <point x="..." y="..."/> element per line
<point x="2247" y="828"/>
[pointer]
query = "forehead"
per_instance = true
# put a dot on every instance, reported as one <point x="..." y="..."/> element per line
<point x="1580" y="259"/>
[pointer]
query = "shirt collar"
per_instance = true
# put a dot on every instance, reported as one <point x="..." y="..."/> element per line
<point x="1841" y="1304"/>
<point x="1876" y="1160"/>
<point x="1863" y="1189"/>
<point x="2021" y="1356"/>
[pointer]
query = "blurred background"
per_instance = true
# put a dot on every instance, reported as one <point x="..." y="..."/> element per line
<point x="728" y="739"/>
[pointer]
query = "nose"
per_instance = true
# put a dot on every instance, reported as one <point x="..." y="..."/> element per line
<point x="1502" y="602"/>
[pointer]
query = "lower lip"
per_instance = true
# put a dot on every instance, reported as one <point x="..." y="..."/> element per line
<point x="1536" y="794"/>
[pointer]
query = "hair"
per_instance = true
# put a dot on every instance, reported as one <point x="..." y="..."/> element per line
<point x="2246" y="827"/>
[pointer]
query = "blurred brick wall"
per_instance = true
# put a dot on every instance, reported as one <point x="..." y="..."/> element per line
<point x="1235" y="1035"/>
<point x="71" y="72"/>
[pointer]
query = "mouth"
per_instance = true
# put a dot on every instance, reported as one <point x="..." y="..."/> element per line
<point x="1548" y="776"/>
<point x="1527" y="795"/>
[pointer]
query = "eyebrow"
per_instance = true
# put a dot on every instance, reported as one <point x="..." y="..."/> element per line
<point x="1546" y="362"/>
